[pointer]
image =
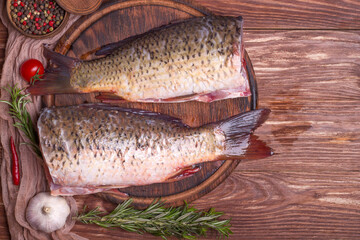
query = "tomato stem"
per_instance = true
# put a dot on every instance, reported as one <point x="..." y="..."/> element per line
<point x="36" y="77"/>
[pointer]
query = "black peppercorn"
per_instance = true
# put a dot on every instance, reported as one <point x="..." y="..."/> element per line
<point x="36" y="17"/>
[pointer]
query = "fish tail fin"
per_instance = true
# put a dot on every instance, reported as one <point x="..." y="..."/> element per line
<point x="240" y="143"/>
<point x="56" y="79"/>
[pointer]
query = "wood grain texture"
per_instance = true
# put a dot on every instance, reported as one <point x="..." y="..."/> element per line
<point x="277" y="205"/>
<point x="311" y="81"/>
<point x="311" y="187"/>
<point x="3" y="38"/>
<point x="283" y="14"/>
<point x="4" y="233"/>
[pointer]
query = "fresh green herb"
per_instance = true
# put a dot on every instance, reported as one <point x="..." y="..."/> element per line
<point x="18" y="111"/>
<point x="181" y="222"/>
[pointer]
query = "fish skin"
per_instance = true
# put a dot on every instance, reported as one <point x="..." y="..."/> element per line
<point x="197" y="56"/>
<point x="85" y="147"/>
<point x="92" y="148"/>
<point x="198" y="59"/>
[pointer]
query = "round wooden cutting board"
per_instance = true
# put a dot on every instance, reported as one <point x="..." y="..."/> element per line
<point x="114" y="21"/>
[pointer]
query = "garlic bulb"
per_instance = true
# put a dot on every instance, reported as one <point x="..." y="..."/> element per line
<point x="47" y="213"/>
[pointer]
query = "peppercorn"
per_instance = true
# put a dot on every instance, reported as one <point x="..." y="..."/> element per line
<point x="36" y="17"/>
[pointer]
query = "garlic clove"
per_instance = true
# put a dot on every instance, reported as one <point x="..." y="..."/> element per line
<point x="47" y="213"/>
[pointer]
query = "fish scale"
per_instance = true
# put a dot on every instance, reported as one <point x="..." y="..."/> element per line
<point x="94" y="147"/>
<point x="201" y="57"/>
<point x="104" y="148"/>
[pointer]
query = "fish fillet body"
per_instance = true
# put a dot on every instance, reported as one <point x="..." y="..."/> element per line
<point x="198" y="59"/>
<point x="90" y="148"/>
<point x="97" y="147"/>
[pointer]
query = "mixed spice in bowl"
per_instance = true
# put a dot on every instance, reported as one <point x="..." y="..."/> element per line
<point x="36" y="18"/>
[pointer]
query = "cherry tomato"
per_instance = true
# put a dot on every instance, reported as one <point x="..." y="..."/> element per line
<point x="31" y="70"/>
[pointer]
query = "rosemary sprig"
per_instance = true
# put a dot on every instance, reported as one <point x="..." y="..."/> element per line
<point x="181" y="222"/>
<point x="18" y="111"/>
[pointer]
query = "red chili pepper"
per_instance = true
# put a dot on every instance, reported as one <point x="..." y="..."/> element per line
<point x="15" y="163"/>
<point x="35" y="5"/>
<point x="22" y="4"/>
<point x="15" y="4"/>
<point x="19" y="14"/>
<point x="24" y="22"/>
<point x="51" y="23"/>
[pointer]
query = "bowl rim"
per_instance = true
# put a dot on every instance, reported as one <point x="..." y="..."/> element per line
<point x="58" y="29"/>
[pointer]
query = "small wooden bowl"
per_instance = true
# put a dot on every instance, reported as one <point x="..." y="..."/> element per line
<point x="56" y="30"/>
<point x="80" y="7"/>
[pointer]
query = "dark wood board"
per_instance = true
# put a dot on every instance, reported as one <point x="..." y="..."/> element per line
<point x="115" y="21"/>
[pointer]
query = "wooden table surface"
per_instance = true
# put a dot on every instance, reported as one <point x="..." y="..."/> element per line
<point x="306" y="55"/>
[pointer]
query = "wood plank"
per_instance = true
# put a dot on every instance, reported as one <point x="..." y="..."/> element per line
<point x="3" y="39"/>
<point x="310" y="188"/>
<point x="4" y="232"/>
<point x="283" y="205"/>
<point x="290" y="205"/>
<point x="310" y="80"/>
<point x="283" y="14"/>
